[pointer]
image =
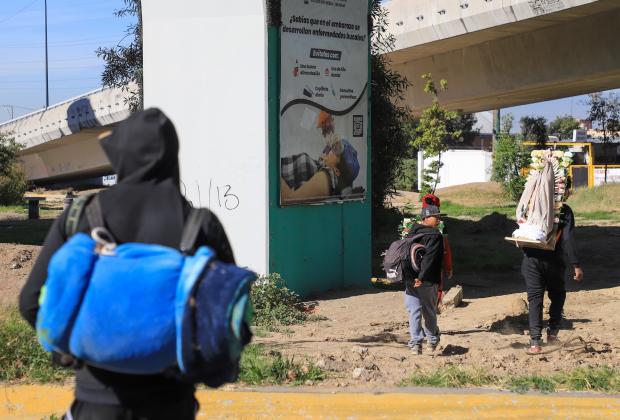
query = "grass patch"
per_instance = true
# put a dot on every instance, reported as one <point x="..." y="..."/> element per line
<point x="459" y="210"/>
<point x="14" y="209"/>
<point x="275" y="305"/>
<point x="522" y="384"/>
<point x="45" y="212"/>
<point x="595" y="379"/>
<point x="261" y="367"/>
<point x="260" y="332"/>
<point x="604" y="198"/>
<point x="476" y="195"/>
<point x="21" y="357"/>
<point x="451" y="377"/>
<point x="604" y="379"/>
<point x="598" y="215"/>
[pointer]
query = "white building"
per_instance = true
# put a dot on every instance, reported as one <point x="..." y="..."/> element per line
<point x="467" y="163"/>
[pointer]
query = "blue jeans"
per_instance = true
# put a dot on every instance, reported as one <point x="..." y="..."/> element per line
<point x="422" y="304"/>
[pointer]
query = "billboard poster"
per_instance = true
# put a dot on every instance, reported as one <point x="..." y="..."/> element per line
<point x="323" y="101"/>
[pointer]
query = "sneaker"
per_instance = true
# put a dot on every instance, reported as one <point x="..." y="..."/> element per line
<point x="430" y="348"/>
<point x="416" y="349"/>
<point x="535" y="347"/>
<point x="552" y="334"/>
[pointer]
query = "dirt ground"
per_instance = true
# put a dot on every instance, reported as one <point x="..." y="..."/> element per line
<point x="369" y="330"/>
<point x="362" y="341"/>
<point x="16" y="261"/>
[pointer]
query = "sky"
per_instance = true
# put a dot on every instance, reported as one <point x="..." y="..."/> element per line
<point x="75" y="29"/>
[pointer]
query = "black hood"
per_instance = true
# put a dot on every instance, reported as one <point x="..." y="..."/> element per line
<point x="144" y="148"/>
<point x="420" y="228"/>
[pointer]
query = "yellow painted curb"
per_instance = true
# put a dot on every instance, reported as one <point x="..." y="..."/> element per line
<point x="39" y="402"/>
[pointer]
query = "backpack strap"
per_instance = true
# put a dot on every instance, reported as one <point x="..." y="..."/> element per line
<point x="75" y="213"/>
<point x="192" y="228"/>
<point x="94" y="213"/>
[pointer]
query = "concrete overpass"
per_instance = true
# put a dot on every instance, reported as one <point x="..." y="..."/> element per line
<point x="60" y="142"/>
<point x="499" y="53"/>
<point x="494" y="54"/>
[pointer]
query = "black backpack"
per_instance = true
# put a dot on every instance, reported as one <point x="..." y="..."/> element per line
<point x="403" y="258"/>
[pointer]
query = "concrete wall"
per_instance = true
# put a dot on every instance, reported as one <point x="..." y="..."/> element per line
<point x="205" y="65"/>
<point x="463" y="167"/>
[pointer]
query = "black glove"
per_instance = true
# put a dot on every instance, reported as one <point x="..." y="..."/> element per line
<point x="66" y="360"/>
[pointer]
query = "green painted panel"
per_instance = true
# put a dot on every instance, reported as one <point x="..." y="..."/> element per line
<point x="306" y="247"/>
<point x="357" y="239"/>
<point x="314" y="247"/>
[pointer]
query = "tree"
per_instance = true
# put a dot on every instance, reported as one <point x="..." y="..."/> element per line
<point x="509" y="158"/>
<point x="464" y="123"/>
<point x="563" y="127"/>
<point x="123" y="64"/>
<point x="389" y="135"/>
<point x="408" y="177"/>
<point x="12" y="179"/>
<point x="436" y="129"/>
<point x="534" y="129"/>
<point x="605" y="113"/>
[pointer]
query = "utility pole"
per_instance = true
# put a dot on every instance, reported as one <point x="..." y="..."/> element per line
<point x="497" y="127"/>
<point x="11" y="109"/>
<point x="47" y="87"/>
<point x="141" y="81"/>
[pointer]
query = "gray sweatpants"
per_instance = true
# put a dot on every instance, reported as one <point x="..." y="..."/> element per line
<point x="423" y="304"/>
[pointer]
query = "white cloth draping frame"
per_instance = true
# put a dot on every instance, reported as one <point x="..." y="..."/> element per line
<point x="536" y="203"/>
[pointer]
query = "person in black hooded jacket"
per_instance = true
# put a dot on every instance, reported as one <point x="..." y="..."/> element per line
<point x="145" y="206"/>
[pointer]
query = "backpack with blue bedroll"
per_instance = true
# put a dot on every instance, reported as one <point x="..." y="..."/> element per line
<point x="142" y="308"/>
<point x="403" y="259"/>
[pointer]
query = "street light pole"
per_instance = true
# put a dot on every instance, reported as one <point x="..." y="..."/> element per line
<point x="10" y="109"/>
<point x="47" y="88"/>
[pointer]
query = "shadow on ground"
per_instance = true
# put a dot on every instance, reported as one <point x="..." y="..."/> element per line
<point x="24" y="232"/>
<point x="517" y="324"/>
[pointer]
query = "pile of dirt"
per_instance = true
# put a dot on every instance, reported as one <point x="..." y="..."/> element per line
<point x="494" y="222"/>
<point x="16" y="262"/>
<point x="404" y="199"/>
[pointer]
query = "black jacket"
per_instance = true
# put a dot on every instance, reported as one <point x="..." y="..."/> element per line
<point x="145" y="206"/>
<point x="430" y="269"/>
<point x="565" y="248"/>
